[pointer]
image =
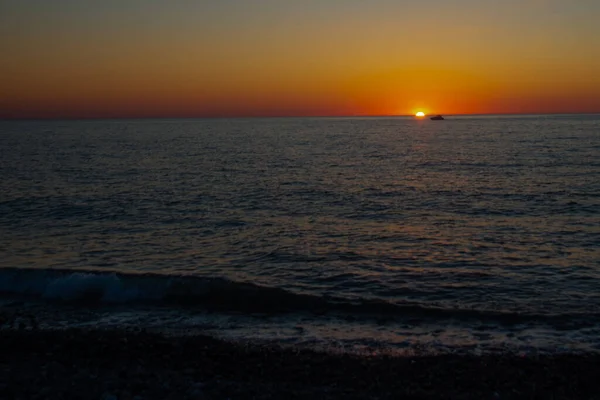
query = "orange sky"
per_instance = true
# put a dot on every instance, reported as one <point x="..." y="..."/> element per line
<point x="137" y="58"/>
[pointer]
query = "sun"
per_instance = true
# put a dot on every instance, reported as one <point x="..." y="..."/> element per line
<point x="420" y="114"/>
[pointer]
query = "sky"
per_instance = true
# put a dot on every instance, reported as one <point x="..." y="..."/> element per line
<point x="225" y="58"/>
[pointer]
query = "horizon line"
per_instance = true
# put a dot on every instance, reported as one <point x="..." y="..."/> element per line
<point x="266" y="116"/>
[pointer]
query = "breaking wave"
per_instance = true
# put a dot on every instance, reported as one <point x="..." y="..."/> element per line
<point x="220" y="294"/>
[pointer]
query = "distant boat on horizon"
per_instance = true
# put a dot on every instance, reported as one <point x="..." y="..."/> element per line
<point x="437" y="118"/>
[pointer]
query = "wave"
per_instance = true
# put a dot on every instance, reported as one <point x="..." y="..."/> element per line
<point x="220" y="294"/>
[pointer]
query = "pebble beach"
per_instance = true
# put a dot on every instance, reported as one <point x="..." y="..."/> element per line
<point x="129" y="365"/>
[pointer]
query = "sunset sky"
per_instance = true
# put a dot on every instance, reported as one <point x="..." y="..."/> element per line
<point x="150" y="58"/>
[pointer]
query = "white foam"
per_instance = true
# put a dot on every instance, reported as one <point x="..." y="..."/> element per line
<point x="108" y="287"/>
<point x="103" y="287"/>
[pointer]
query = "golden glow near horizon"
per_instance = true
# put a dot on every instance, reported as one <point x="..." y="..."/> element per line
<point x="326" y="57"/>
<point x="420" y="114"/>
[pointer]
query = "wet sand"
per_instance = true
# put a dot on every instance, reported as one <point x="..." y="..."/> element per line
<point x="109" y="365"/>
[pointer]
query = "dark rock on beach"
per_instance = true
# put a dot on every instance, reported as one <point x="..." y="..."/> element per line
<point x="120" y="365"/>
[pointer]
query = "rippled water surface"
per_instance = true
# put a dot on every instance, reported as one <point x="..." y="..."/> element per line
<point x="482" y="215"/>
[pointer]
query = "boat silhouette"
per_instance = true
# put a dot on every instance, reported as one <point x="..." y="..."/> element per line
<point x="437" y="118"/>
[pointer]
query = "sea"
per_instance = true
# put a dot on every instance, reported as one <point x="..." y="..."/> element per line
<point x="396" y="235"/>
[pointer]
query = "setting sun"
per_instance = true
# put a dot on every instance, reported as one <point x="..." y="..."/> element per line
<point x="420" y="114"/>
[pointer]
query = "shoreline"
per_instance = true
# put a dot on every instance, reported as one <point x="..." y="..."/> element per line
<point x="122" y="364"/>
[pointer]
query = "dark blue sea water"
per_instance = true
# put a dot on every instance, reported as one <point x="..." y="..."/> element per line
<point x="476" y="233"/>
